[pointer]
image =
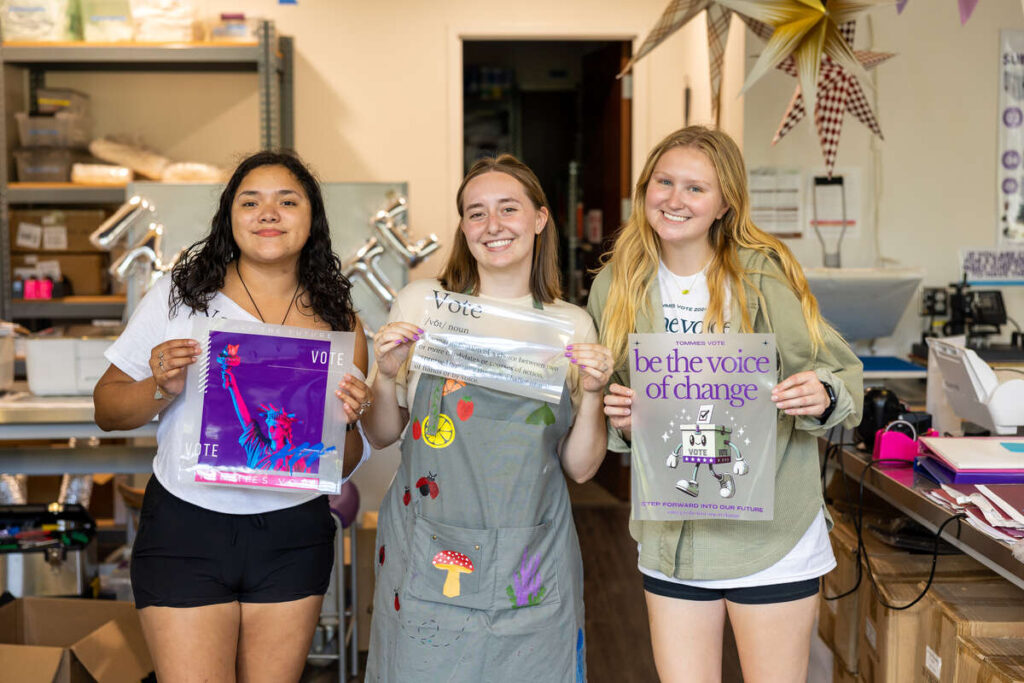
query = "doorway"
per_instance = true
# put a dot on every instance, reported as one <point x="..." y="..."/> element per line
<point x="557" y="106"/>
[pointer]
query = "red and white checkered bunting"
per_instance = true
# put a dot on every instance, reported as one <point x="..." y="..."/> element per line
<point x="838" y="91"/>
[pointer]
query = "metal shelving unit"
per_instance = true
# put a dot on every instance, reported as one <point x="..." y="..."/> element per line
<point x="270" y="57"/>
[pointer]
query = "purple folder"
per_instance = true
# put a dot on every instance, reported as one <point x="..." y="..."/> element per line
<point x="946" y="475"/>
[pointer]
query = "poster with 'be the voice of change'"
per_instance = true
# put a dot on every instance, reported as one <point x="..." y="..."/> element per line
<point x="704" y="426"/>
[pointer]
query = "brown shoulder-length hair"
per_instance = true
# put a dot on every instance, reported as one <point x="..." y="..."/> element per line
<point x="460" y="273"/>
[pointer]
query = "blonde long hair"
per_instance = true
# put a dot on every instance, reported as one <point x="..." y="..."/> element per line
<point x="637" y="252"/>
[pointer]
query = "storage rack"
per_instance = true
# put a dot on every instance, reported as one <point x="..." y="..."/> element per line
<point x="270" y="57"/>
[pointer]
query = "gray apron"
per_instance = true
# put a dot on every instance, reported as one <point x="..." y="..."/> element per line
<point x="479" y="576"/>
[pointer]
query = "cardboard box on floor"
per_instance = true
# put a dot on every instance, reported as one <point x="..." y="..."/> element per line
<point x="990" y="660"/>
<point x="839" y="621"/>
<point x="50" y="640"/>
<point x="993" y="609"/>
<point x="888" y="638"/>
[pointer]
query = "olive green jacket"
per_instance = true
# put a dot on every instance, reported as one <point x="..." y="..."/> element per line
<point x="723" y="549"/>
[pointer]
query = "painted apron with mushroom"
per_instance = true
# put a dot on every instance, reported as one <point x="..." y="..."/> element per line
<point x="479" y="576"/>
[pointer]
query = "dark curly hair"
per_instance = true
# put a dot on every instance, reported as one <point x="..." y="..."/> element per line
<point x="199" y="274"/>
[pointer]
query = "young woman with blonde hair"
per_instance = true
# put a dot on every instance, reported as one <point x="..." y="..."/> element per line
<point x="690" y="260"/>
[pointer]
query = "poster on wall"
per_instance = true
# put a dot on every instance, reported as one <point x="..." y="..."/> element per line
<point x="776" y="200"/>
<point x="993" y="267"/>
<point x="1010" y="173"/>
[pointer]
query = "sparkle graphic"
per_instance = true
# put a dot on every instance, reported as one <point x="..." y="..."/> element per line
<point x="665" y="436"/>
<point x="746" y="442"/>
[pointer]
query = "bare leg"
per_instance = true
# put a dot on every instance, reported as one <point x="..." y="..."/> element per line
<point x="687" y="638"/>
<point x="275" y="639"/>
<point x="192" y="643"/>
<point x="774" y="641"/>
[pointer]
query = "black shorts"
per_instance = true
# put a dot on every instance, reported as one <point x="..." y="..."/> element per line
<point x="753" y="595"/>
<point x="187" y="556"/>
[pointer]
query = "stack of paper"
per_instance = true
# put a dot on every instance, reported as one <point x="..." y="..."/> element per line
<point x="997" y="510"/>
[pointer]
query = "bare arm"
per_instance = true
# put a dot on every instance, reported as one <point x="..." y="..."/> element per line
<point x="124" y="403"/>
<point x="585" y="447"/>
<point x="386" y="419"/>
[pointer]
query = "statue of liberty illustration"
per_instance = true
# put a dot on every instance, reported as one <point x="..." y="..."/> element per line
<point x="273" y="449"/>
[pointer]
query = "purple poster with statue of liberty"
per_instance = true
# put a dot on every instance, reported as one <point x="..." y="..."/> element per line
<point x="263" y="407"/>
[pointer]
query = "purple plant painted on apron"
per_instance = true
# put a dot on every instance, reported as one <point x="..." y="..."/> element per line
<point x="526" y="589"/>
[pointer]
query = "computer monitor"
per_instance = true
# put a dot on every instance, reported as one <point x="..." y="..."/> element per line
<point x="974" y="391"/>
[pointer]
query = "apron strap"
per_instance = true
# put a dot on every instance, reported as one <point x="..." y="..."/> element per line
<point x="437" y="390"/>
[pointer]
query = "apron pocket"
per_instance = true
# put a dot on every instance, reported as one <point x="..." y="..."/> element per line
<point x="451" y="565"/>
<point x="527" y="567"/>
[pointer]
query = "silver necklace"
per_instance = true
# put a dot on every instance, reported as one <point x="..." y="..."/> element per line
<point x="253" y="301"/>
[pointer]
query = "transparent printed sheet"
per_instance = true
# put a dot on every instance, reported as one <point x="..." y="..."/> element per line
<point x="704" y="426"/>
<point x="460" y="342"/>
<point x="260" y="409"/>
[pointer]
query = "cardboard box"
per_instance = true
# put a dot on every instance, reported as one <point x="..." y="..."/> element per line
<point x="48" y="640"/>
<point x="889" y="638"/>
<point x="990" y="660"/>
<point x="839" y="621"/>
<point x="48" y="230"/>
<point x="993" y="609"/>
<point x="839" y="672"/>
<point x="86" y="272"/>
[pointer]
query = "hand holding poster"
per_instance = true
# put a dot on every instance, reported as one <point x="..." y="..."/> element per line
<point x="460" y="342"/>
<point x="703" y="426"/>
<point x="260" y="406"/>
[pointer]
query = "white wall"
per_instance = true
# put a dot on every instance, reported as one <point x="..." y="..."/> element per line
<point x="378" y="89"/>
<point x="935" y="172"/>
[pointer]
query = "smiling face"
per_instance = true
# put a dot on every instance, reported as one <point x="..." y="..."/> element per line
<point x="684" y="199"/>
<point x="270" y="216"/>
<point x="500" y="222"/>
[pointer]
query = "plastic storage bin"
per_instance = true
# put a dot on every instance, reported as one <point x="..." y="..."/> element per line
<point x="63" y="129"/>
<point x="64" y="366"/>
<point x="43" y="164"/>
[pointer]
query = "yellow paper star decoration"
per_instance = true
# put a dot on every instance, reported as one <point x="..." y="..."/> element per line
<point x="804" y="29"/>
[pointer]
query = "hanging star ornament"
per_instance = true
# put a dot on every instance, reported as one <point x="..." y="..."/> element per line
<point x="838" y="91"/>
<point x="678" y="14"/>
<point x="804" y="29"/>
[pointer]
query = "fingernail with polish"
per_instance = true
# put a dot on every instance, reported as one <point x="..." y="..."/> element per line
<point x="568" y="355"/>
<point x="568" y="346"/>
<point x="573" y="360"/>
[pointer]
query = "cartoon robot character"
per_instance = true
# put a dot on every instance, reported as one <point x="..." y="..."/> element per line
<point x="707" y="444"/>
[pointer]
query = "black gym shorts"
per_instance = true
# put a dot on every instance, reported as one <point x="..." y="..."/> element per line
<point x="187" y="556"/>
<point x="753" y="595"/>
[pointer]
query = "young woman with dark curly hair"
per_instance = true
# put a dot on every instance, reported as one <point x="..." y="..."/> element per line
<point x="228" y="581"/>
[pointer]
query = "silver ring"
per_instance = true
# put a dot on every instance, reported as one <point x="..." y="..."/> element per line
<point x="160" y="355"/>
<point x="161" y="365"/>
<point x="365" y="405"/>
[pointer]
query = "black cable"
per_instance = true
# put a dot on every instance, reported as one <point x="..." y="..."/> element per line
<point x="862" y="550"/>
